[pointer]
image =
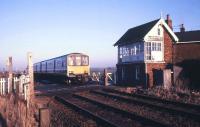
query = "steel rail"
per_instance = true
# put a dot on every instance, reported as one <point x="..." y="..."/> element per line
<point x="164" y="101"/>
<point x="101" y="121"/>
<point x="134" y="116"/>
<point x="173" y="110"/>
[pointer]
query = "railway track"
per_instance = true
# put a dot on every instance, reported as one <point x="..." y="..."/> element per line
<point x="113" y="108"/>
<point x="143" y="120"/>
<point x="86" y="112"/>
<point x="159" y="106"/>
<point x="112" y="116"/>
<point x="164" y="101"/>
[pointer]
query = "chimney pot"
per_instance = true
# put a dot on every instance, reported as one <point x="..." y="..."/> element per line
<point x="168" y="17"/>
<point x="182" y="28"/>
<point x="169" y="21"/>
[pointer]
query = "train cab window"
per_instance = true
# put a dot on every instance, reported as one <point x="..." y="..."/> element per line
<point x="78" y="60"/>
<point x="85" y="60"/>
<point x="71" y="61"/>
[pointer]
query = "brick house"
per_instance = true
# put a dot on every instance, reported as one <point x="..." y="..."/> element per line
<point x="186" y="58"/>
<point x="188" y="47"/>
<point x="143" y="51"/>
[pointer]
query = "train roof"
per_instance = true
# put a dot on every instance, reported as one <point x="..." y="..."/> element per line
<point x="62" y="56"/>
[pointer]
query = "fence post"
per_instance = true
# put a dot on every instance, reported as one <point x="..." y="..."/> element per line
<point x="105" y="77"/>
<point x="10" y="74"/>
<point x="30" y="94"/>
<point x="115" y="77"/>
<point x="21" y="84"/>
<point x="1" y="82"/>
<point x="3" y="88"/>
<point x="8" y="84"/>
<point x="26" y="93"/>
<point x="16" y="84"/>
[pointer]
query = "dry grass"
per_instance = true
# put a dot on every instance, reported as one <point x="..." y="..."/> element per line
<point x="174" y="93"/>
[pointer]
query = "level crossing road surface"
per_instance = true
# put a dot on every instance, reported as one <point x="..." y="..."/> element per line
<point x="49" y="88"/>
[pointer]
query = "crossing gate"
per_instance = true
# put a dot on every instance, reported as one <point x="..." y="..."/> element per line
<point x="107" y="75"/>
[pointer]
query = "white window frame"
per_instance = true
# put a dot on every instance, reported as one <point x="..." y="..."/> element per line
<point x="148" y="50"/>
<point x="152" y="46"/>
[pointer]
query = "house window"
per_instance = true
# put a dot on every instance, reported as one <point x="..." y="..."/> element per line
<point x="135" y="51"/>
<point x="152" y="46"/>
<point x="156" y="46"/>
<point x="137" y="73"/>
<point x="148" y="50"/>
<point x="158" y="31"/>
<point x="139" y="49"/>
<point x="132" y="51"/>
<point x="125" y="52"/>
<point x="120" y="52"/>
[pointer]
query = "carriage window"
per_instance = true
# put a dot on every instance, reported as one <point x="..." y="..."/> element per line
<point x="62" y="63"/>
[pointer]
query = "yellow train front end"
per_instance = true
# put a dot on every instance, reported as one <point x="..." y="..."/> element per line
<point x="78" y="69"/>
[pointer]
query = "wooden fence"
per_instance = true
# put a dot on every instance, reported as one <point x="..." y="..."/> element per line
<point x="20" y="86"/>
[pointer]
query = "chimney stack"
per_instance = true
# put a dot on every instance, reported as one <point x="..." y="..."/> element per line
<point x="182" y="28"/>
<point x="169" y="21"/>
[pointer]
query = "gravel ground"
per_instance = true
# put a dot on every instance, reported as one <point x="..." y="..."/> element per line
<point x="107" y="114"/>
<point x="164" y="117"/>
<point x="62" y="116"/>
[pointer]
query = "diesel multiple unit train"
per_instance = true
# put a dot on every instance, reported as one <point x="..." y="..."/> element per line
<point x="73" y="67"/>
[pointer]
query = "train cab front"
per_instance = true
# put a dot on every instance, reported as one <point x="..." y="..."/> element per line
<point x="78" y="78"/>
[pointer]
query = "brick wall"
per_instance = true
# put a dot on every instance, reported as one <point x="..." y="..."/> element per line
<point x="150" y="69"/>
<point x="186" y="51"/>
<point x="15" y="112"/>
<point x="167" y="47"/>
<point x="186" y="61"/>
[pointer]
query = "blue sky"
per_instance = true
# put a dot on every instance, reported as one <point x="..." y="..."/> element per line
<point x="49" y="28"/>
